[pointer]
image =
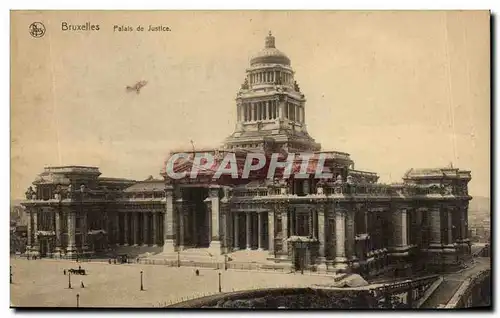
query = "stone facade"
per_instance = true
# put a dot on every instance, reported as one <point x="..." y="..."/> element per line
<point x="347" y="223"/>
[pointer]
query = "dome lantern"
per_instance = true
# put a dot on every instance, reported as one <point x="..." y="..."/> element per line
<point x="270" y="41"/>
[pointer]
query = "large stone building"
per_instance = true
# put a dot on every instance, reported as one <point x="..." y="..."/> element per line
<point x="348" y="222"/>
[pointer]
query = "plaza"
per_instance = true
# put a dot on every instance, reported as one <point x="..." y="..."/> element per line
<point x="41" y="283"/>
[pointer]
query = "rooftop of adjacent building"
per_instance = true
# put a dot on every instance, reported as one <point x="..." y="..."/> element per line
<point x="425" y="173"/>
<point x="151" y="184"/>
<point x="72" y="169"/>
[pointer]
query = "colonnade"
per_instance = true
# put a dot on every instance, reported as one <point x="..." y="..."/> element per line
<point x="255" y="228"/>
<point x="48" y="223"/>
<point x="270" y="77"/>
<point x="262" y="110"/>
<point x="138" y="228"/>
<point x="269" y="110"/>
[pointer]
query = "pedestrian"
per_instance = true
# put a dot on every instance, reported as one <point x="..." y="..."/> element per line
<point x="109" y="261"/>
<point x="79" y="268"/>
<point x="64" y="272"/>
<point x="197" y="273"/>
<point x="81" y="284"/>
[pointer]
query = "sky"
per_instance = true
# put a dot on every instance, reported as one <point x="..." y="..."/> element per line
<point x="396" y="90"/>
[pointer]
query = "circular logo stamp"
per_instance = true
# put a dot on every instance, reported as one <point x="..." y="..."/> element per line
<point x="37" y="29"/>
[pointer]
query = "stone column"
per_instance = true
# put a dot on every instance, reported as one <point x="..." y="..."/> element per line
<point x="215" y="244"/>
<point x="270" y="222"/>
<point x="450" y="226"/>
<point x="464" y="233"/>
<point x="248" y="232"/>
<point x="35" y="247"/>
<point x="261" y="228"/>
<point x="30" y="229"/>
<point x="236" y="232"/>
<point x="435" y="224"/>
<point x="350" y="234"/>
<point x="281" y="109"/>
<point x="70" y="249"/>
<point x="36" y="244"/>
<point x="125" y="229"/>
<point x="155" y="228"/>
<point x="135" y="227"/>
<point x="84" y="232"/>
<point x="397" y="222"/>
<point x="168" y="220"/>
<point x="340" y="255"/>
<point x="404" y="228"/>
<point x="321" y="230"/>
<point x="57" y="230"/>
<point x="254" y="111"/>
<point x="284" y="227"/>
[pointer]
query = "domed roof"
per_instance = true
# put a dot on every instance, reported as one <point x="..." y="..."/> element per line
<point x="270" y="54"/>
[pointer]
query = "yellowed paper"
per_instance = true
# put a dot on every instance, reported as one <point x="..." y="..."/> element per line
<point x="398" y="101"/>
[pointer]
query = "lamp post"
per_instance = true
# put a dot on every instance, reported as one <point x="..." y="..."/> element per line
<point x="142" y="286"/>
<point x="77" y="300"/>
<point x="220" y="286"/>
<point x="178" y="258"/>
<point x="69" y="280"/>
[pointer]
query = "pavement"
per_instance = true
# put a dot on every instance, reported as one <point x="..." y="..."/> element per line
<point x="41" y="283"/>
<point x="452" y="281"/>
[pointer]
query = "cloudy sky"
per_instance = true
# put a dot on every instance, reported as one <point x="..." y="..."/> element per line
<point x="396" y="90"/>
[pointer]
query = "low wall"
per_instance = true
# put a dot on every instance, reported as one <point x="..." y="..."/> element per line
<point x="373" y="296"/>
<point x="285" y="298"/>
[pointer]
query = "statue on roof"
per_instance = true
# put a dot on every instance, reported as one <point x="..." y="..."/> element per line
<point x="350" y="180"/>
<point x="30" y="193"/>
<point x="296" y="86"/>
<point x="245" y="84"/>
<point x="69" y="190"/>
<point x="58" y="192"/>
<point x="339" y="179"/>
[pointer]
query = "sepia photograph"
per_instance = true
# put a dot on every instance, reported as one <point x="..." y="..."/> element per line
<point x="250" y="159"/>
